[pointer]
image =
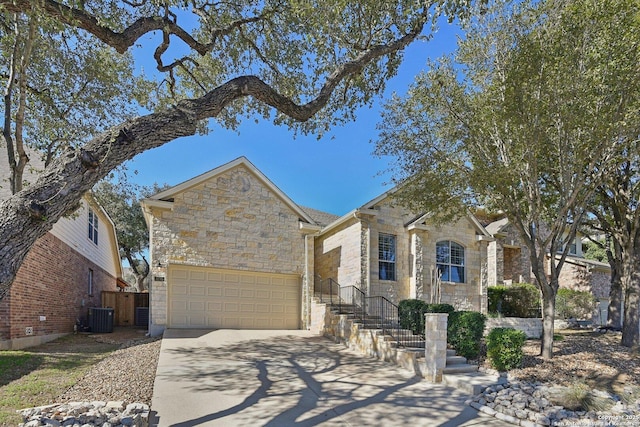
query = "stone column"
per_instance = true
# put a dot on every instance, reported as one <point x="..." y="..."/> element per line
<point x="435" y="351"/>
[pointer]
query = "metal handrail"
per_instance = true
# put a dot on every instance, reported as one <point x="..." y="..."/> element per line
<point x="388" y="314"/>
<point x="355" y="298"/>
<point x="375" y="311"/>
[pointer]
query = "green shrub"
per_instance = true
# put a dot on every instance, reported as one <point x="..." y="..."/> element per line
<point x="440" y="308"/>
<point x="495" y="295"/>
<point x="411" y="313"/>
<point x="574" y="304"/>
<point x="464" y="332"/>
<point x="518" y="300"/>
<point x="504" y="348"/>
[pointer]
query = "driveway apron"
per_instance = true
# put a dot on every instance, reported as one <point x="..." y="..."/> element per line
<point x="292" y="378"/>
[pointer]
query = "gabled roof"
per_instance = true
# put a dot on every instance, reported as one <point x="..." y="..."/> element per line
<point x="321" y="218"/>
<point x="420" y="219"/>
<point x="415" y="222"/>
<point x="497" y="226"/>
<point x="164" y="198"/>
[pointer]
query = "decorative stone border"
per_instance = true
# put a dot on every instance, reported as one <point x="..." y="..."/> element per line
<point x="528" y="405"/>
<point x="87" y="414"/>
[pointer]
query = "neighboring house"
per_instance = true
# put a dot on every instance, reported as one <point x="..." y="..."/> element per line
<point x="509" y="263"/>
<point x="508" y="258"/>
<point x="61" y="277"/>
<point x="231" y="250"/>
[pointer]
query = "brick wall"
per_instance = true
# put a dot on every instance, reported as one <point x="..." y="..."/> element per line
<point x="52" y="282"/>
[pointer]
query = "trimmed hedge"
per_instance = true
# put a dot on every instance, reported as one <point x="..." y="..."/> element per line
<point x="504" y="348"/>
<point x="411" y="313"/>
<point x="464" y="332"/>
<point x="518" y="300"/>
<point x="574" y="304"/>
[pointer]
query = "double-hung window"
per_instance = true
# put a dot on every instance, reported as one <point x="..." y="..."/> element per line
<point x="387" y="256"/>
<point x="93" y="226"/>
<point x="450" y="261"/>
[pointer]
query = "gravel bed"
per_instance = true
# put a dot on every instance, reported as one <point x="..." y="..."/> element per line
<point x="125" y="375"/>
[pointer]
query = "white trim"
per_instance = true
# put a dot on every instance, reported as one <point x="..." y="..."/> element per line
<point x="344" y="218"/>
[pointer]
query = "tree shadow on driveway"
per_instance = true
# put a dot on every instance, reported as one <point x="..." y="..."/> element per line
<point x="301" y="381"/>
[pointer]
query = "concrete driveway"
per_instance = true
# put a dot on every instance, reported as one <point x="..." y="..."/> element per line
<point x="291" y="378"/>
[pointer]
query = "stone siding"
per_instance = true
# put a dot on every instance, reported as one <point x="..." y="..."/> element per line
<point x="338" y="254"/>
<point x="463" y="296"/>
<point x="581" y="278"/>
<point x="52" y="282"/>
<point x="391" y="220"/>
<point x="231" y="221"/>
<point x="508" y="260"/>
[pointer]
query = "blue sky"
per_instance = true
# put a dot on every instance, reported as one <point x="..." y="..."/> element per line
<point x="335" y="174"/>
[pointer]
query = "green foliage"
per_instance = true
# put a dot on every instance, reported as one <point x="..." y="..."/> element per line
<point x="518" y="300"/>
<point x="411" y="313"/>
<point x="504" y="348"/>
<point x="464" y="332"/>
<point x="574" y="304"/>
<point x="440" y="308"/>
<point x="594" y="251"/>
<point x="499" y="124"/>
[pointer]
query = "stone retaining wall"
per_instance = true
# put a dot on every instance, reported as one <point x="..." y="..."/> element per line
<point x="532" y="327"/>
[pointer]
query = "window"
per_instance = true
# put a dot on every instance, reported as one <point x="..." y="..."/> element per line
<point x="90" y="282"/>
<point x="387" y="257"/>
<point x="450" y="261"/>
<point x="93" y="227"/>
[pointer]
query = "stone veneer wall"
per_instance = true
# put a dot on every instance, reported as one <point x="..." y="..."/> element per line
<point x="338" y="254"/>
<point x="52" y="282"/>
<point x="231" y="221"/>
<point x="508" y="250"/>
<point x="532" y="327"/>
<point x="581" y="278"/>
<point x="463" y="296"/>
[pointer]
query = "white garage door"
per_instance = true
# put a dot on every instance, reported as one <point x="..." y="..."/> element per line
<point x="214" y="298"/>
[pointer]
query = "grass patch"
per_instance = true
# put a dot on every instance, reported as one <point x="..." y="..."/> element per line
<point x="38" y="376"/>
<point x="580" y="397"/>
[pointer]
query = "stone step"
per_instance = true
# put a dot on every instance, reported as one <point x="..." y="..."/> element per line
<point x="456" y="360"/>
<point x="472" y="383"/>
<point x="451" y="352"/>
<point x="462" y="368"/>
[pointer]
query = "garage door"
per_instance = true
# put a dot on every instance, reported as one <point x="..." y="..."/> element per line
<point x="214" y="298"/>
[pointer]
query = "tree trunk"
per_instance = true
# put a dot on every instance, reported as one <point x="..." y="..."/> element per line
<point x="549" y="289"/>
<point x="548" y="316"/>
<point x="630" y="279"/>
<point x="614" y="311"/>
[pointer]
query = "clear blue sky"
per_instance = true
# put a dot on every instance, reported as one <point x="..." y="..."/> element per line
<point x="335" y="174"/>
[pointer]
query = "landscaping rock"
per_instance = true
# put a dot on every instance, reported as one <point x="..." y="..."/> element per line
<point x="528" y="404"/>
<point x="87" y="414"/>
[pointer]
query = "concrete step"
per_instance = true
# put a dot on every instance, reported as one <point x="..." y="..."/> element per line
<point x="456" y="360"/>
<point x="472" y="383"/>
<point x="462" y="368"/>
<point x="450" y="352"/>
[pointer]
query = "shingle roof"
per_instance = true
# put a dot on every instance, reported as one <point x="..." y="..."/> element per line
<point x="320" y="217"/>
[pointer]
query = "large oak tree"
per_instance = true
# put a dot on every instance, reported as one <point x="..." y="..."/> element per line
<point x="307" y="64"/>
<point x="528" y="119"/>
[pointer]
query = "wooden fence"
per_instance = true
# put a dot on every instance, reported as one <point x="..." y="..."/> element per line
<point x="125" y="305"/>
